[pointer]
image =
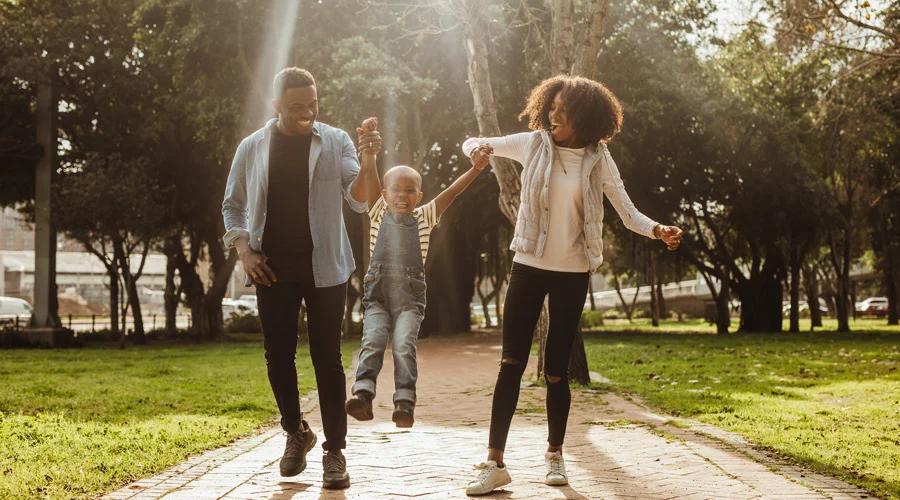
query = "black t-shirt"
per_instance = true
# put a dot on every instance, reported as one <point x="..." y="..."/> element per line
<point x="287" y="239"/>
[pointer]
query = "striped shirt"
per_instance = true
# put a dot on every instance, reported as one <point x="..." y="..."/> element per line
<point x="426" y="215"/>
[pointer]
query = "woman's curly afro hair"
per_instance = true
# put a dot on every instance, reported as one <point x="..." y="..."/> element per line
<point x="592" y="109"/>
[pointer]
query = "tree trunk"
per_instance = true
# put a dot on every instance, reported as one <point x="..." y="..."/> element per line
<point x="890" y="288"/>
<point x="130" y="280"/>
<point x="591" y="294"/>
<point x="795" y="288"/>
<point x="221" y="267"/>
<point x="760" y="304"/>
<point x="562" y="35"/>
<point x="812" y="297"/>
<point x="654" y="303"/>
<point x="193" y="290"/>
<point x="661" y="299"/>
<point x="170" y="297"/>
<point x="723" y="308"/>
<point x="113" y="272"/>
<point x="629" y="309"/>
<point x="722" y="299"/>
<point x="840" y="260"/>
<point x="588" y="48"/>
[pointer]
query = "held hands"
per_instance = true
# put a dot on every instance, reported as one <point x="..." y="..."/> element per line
<point x="369" y="138"/>
<point x="481" y="157"/>
<point x="670" y="235"/>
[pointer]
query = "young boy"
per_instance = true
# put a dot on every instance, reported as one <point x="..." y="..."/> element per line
<point x="394" y="286"/>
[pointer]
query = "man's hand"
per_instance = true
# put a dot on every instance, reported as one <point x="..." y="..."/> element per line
<point x="254" y="264"/>
<point x="670" y="235"/>
<point x="481" y="156"/>
<point x="369" y="140"/>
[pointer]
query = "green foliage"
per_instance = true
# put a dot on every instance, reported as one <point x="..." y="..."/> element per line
<point x="243" y="322"/>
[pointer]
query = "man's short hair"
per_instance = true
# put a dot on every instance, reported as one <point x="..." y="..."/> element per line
<point x="291" y="78"/>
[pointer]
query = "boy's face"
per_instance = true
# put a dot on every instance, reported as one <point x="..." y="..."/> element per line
<point x="402" y="193"/>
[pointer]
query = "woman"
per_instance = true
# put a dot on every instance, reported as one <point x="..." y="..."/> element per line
<point x="558" y="243"/>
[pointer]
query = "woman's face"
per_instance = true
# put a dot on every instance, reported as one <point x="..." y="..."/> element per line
<point x="561" y="130"/>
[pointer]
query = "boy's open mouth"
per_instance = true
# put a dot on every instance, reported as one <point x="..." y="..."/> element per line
<point x="304" y="123"/>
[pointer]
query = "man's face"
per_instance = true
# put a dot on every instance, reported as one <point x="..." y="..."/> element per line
<point x="402" y="193"/>
<point x="297" y="110"/>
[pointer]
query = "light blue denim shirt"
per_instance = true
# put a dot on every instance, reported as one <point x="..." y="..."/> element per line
<point x="333" y="166"/>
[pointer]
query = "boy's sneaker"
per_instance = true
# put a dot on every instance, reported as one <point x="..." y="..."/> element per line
<point x="298" y="444"/>
<point x="490" y="477"/>
<point x="360" y="406"/>
<point x="335" y="475"/>
<point x="403" y="413"/>
<point x="556" y="469"/>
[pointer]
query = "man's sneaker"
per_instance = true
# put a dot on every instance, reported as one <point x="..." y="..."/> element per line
<point x="490" y="477"/>
<point x="360" y="406"/>
<point x="403" y="413"/>
<point x="335" y="476"/>
<point x="556" y="469"/>
<point x="299" y="443"/>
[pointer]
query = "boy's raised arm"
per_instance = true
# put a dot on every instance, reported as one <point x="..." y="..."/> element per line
<point x="369" y="145"/>
<point x="480" y="157"/>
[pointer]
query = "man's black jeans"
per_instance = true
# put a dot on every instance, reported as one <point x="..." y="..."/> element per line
<point x="279" y="308"/>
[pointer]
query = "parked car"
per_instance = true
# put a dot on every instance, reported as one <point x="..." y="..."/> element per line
<point x="11" y="308"/>
<point x="803" y="307"/>
<point x="873" y="306"/>
<point x="242" y="305"/>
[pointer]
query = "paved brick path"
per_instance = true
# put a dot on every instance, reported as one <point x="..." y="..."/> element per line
<point x="614" y="448"/>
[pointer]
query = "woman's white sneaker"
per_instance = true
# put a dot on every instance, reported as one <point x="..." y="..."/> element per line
<point x="556" y="469"/>
<point x="490" y="477"/>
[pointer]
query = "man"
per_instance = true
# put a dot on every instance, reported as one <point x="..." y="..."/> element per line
<point x="283" y="216"/>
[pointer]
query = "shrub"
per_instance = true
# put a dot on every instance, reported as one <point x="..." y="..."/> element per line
<point x="591" y="319"/>
<point x="243" y="322"/>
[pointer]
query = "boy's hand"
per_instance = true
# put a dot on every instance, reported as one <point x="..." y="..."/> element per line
<point x="670" y="235"/>
<point x="369" y="138"/>
<point x="481" y="157"/>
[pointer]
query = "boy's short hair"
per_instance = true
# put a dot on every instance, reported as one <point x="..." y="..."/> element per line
<point x="404" y="170"/>
<point x="291" y="78"/>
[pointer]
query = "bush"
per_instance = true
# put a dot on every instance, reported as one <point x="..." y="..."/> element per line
<point x="243" y="322"/>
<point x="591" y="319"/>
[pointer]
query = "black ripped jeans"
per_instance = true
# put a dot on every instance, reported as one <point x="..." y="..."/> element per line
<point x="528" y="286"/>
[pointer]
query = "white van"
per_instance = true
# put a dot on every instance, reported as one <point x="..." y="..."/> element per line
<point x="11" y="307"/>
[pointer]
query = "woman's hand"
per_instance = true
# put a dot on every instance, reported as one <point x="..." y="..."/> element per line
<point x="369" y="138"/>
<point x="670" y="235"/>
<point x="481" y="156"/>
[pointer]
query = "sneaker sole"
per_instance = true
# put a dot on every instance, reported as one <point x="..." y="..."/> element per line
<point x="359" y="410"/>
<point x="488" y="492"/>
<point x="556" y="482"/>
<point x="302" y="466"/>
<point x="403" y="419"/>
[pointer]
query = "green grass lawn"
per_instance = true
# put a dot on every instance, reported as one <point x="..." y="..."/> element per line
<point x="861" y="325"/>
<point x="829" y="400"/>
<point x="79" y="422"/>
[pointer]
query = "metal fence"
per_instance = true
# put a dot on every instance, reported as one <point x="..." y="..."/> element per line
<point x="96" y="322"/>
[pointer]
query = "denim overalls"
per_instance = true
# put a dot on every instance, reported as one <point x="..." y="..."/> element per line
<point x="394" y="305"/>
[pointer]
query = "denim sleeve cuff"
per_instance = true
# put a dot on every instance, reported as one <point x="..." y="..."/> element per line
<point x="356" y="205"/>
